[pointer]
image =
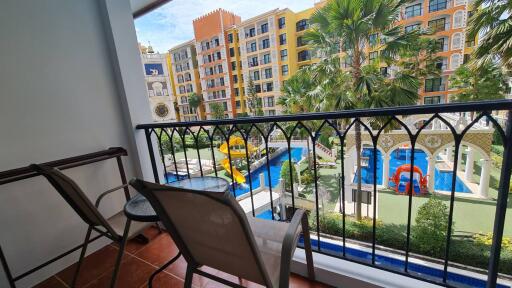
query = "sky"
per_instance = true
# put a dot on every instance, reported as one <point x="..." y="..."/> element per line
<point x="171" y="24"/>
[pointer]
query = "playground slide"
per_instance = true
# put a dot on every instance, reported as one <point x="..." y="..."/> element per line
<point x="236" y="141"/>
<point x="237" y="176"/>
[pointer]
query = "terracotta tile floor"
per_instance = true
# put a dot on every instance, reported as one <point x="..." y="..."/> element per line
<point x="139" y="261"/>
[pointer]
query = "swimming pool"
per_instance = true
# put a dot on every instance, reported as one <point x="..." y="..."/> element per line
<point x="427" y="272"/>
<point x="443" y="179"/>
<point x="275" y="172"/>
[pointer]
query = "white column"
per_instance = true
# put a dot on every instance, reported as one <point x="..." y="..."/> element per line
<point x="431" y="173"/>
<point x="484" y="178"/>
<point x="459" y="159"/>
<point x="385" y="170"/>
<point x="262" y="181"/>
<point x="449" y="154"/>
<point x="470" y="161"/>
<point x="348" y="169"/>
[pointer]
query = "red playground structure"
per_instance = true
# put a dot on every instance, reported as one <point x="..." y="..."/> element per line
<point x="402" y="182"/>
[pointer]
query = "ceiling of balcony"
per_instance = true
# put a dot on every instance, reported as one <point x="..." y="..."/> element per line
<point x="141" y="7"/>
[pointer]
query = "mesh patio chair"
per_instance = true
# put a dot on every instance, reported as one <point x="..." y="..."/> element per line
<point x="117" y="228"/>
<point x="211" y="229"/>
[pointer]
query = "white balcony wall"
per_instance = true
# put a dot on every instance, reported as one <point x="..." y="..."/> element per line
<point x="73" y="101"/>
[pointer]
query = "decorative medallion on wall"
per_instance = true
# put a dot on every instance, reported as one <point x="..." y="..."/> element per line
<point x="386" y="141"/>
<point x="433" y="141"/>
<point x="161" y="110"/>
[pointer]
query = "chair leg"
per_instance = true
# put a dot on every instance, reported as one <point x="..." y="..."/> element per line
<point x="307" y="247"/>
<point x="119" y="258"/>
<point x="188" y="276"/>
<point x="82" y="255"/>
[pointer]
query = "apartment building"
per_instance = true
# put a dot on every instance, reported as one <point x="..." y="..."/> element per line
<point x="210" y="33"/>
<point x="448" y="20"/>
<point x="186" y="80"/>
<point x="158" y="84"/>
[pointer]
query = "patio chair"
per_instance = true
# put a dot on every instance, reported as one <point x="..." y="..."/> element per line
<point x="117" y="228"/>
<point x="211" y="229"/>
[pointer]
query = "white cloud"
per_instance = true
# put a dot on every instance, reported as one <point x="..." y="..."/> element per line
<point x="171" y="24"/>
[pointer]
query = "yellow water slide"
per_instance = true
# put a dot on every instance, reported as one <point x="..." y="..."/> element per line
<point x="237" y="176"/>
<point x="236" y="150"/>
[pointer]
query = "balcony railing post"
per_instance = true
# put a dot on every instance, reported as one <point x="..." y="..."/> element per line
<point x="501" y="205"/>
<point x="152" y="155"/>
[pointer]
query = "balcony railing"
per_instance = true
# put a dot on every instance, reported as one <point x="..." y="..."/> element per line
<point x="414" y="132"/>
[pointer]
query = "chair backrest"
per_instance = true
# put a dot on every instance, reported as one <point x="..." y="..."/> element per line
<point x="209" y="228"/>
<point x="75" y="197"/>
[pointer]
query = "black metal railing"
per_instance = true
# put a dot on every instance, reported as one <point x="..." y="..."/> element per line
<point x="201" y="139"/>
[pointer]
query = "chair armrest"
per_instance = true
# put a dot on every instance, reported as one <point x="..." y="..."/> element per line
<point x="299" y="221"/>
<point x="102" y="195"/>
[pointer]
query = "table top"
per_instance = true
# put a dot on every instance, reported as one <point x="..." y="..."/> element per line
<point x="139" y="208"/>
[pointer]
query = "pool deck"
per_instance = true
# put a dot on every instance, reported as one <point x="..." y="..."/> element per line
<point x="447" y="165"/>
<point x="261" y="201"/>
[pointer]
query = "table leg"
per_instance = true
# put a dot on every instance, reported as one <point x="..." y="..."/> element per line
<point x="150" y="282"/>
<point x="141" y="238"/>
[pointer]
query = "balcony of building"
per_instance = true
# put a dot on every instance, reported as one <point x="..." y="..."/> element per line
<point x="100" y="101"/>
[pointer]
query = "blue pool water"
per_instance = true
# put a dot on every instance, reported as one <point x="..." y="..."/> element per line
<point x="275" y="172"/>
<point x="397" y="264"/>
<point x="399" y="157"/>
<point x="267" y="215"/>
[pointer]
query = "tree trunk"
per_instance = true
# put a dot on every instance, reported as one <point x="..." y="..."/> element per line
<point x="357" y="127"/>
<point x="309" y="153"/>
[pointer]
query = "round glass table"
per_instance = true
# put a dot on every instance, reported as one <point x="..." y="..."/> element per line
<point x="139" y="209"/>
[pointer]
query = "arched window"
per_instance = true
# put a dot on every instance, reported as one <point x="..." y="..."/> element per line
<point x="459" y="2"/>
<point x="455" y="61"/>
<point x="457" y="41"/>
<point x="458" y="19"/>
<point x="157" y="88"/>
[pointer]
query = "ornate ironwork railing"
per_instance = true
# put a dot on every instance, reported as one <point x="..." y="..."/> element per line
<point x="189" y="149"/>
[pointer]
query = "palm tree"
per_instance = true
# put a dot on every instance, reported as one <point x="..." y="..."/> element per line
<point x="347" y="25"/>
<point x="195" y="101"/>
<point x="494" y="18"/>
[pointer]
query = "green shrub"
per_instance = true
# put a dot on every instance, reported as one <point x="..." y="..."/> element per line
<point x="307" y="177"/>
<point x="285" y="175"/>
<point x="429" y="233"/>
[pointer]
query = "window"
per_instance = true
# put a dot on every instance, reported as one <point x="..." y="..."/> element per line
<point x="237" y="92"/>
<point x="302" y="25"/>
<point x="284" y="70"/>
<point x="300" y="41"/>
<point x="373" y="39"/>
<point x="237" y="104"/>
<point x="220" y="69"/>
<point x="233" y="65"/>
<point x="266" y="58"/>
<point x="230" y="38"/>
<point x="268" y="73"/>
<point x="252" y="32"/>
<point x="225" y="106"/>
<point x="207" y="45"/>
<point x="180" y="79"/>
<point x="455" y="61"/>
<point x="216" y="41"/>
<point x="411" y="27"/>
<point x="432" y="100"/>
<point x="269" y="87"/>
<point x="434" y="84"/>
<point x="441" y="65"/>
<point x="441" y="44"/>
<point x="373" y="55"/>
<point x="253" y="47"/>
<point x="231" y="52"/>
<point x="221" y="81"/>
<point x="413" y="11"/>
<point x="256" y="75"/>
<point x="458" y="19"/>
<point x="218" y="55"/>
<point x="470" y="42"/>
<point x="436" y="5"/>
<point x="437" y="25"/>
<point x="282" y="39"/>
<point x="304" y="56"/>
<point x="253" y="62"/>
<point x="265" y="43"/>
<point x="269" y="101"/>
<point x="281" y="22"/>
<point x="284" y="55"/>
<point x="457" y="41"/>
<point x="235" y="79"/>
<point x="466" y="58"/>
<point x="384" y="71"/>
<point x="264" y="28"/>
<point x="257" y="88"/>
